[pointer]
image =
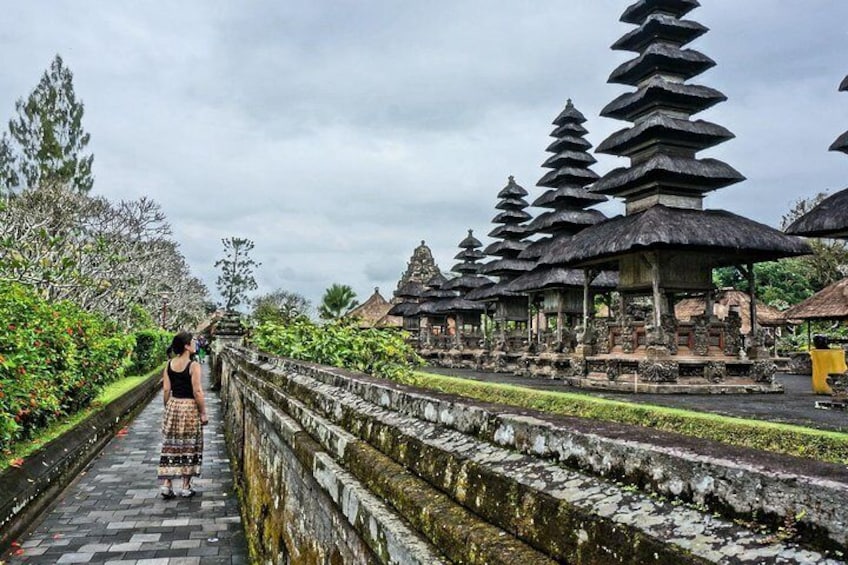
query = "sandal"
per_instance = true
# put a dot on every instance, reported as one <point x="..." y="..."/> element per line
<point x="187" y="492"/>
<point x="167" y="492"/>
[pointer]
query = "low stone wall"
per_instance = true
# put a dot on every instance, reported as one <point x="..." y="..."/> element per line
<point x="26" y="491"/>
<point x="339" y="467"/>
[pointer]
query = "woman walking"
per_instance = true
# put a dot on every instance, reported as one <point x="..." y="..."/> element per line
<point x="185" y="413"/>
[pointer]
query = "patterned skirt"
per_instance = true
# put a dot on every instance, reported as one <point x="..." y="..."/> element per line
<point x="182" y="440"/>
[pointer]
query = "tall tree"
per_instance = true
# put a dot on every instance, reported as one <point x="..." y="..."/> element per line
<point x="337" y="301"/>
<point x="236" y="278"/>
<point x="829" y="261"/>
<point x="8" y="164"/>
<point x="281" y="306"/>
<point x="48" y="133"/>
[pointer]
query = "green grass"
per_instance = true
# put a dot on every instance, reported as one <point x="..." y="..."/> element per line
<point x="109" y="394"/>
<point x="786" y="439"/>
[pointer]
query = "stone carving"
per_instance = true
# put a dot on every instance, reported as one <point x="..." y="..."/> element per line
<point x="763" y="371"/>
<point x="669" y="328"/>
<point x="628" y="329"/>
<point x="658" y="371"/>
<point x="838" y="384"/>
<point x="701" y="345"/>
<point x="732" y="334"/>
<point x="578" y="367"/>
<point x="602" y="336"/>
<point x="613" y="369"/>
<point x="715" y="371"/>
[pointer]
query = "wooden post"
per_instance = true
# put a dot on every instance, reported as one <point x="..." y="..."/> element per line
<point x="529" y="320"/>
<point x="559" y="316"/>
<point x="655" y="283"/>
<point x="585" y="299"/>
<point x="752" y="293"/>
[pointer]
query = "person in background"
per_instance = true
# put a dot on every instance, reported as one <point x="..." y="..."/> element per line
<point x="185" y="414"/>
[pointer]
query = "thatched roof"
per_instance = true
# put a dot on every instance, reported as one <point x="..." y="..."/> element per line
<point x="466" y="283"/>
<point x="830" y="303"/>
<point x="545" y="278"/>
<point x="685" y="63"/>
<point x="657" y="92"/>
<point x="506" y="267"/>
<point x="411" y="289"/>
<point x="458" y="306"/>
<point x="671" y="29"/>
<point x="536" y="249"/>
<point x="470" y="242"/>
<point x="493" y="292"/>
<point x="512" y="189"/>
<point x="699" y="134"/>
<point x="638" y="12"/>
<point x="560" y="220"/>
<point x="372" y="311"/>
<point x="767" y="315"/>
<point x="729" y="239"/>
<point x="828" y="219"/>
<point x="404" y="309"/>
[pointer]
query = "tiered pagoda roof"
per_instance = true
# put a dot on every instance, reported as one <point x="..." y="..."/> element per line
<point x="830" y="217"/>
<point x="420" y="268"/>
<point x="434" y="294"/>
<point x="665" y="177"/>
<point x="510" y="235"/>
<point x="468" y="278"/>
<point x="567" y="199"/>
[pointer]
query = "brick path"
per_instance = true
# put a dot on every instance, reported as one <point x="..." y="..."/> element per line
<point x="112" y="513"/>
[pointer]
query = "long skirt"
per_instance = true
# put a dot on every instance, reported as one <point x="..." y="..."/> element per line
<point x="182" y="440"/>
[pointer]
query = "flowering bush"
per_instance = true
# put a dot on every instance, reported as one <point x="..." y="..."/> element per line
<point x="149" y="350"/>
<point x="382" y="353"/>
<point x="54" y="359"/>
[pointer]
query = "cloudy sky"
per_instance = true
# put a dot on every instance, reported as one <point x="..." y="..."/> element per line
<point x="337" y="134"/>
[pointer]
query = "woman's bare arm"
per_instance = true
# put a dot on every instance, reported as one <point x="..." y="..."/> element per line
<point x="166" y="386"/>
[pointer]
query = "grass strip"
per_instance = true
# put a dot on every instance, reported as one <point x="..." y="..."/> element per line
<point x="788" y="439"/>
<point x="109" y="394"/>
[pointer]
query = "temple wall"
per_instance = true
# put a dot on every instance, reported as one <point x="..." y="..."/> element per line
<point x="337" y="467"/>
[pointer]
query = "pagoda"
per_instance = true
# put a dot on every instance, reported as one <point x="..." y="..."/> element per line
<point x="434" y="334"/>
<point x="465" y="315"/>
<point x="558" y="292"/>
<point x="829" y="218"/>
<point x="420" y="268"/>
<point x="507" y="306"/>
<point x="667" y="244"/>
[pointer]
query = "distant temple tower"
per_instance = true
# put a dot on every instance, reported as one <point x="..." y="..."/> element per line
<point x="420" y="268"/>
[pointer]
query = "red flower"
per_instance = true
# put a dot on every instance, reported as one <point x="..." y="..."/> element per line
<point x="12" y="327"/>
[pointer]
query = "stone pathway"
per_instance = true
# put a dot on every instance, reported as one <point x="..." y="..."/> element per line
<point x="113" y="513"/>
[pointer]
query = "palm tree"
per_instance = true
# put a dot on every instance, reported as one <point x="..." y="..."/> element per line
<point x="338" y="300"/>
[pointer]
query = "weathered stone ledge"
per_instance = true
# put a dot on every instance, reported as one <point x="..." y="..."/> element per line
<point x="567" y="515"/>
<point x="719" y="478"/>
<point x="26" y="491"/>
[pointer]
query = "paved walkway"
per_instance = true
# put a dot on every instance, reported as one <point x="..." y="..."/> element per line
<point x="112" y="513"/>
<point x="795" y="406"/>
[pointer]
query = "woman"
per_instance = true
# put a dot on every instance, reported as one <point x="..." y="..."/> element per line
<point x="185" y="413"/>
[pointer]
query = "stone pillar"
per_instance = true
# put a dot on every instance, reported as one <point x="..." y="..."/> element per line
<point x="228" y="332"/>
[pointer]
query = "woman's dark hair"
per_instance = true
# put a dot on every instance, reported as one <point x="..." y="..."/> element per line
<point x="179" y="343"/>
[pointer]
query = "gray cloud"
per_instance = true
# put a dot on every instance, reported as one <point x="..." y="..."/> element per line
<point x="339" y="134"/>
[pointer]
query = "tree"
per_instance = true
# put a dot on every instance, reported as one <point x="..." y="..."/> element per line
<point x="337" y="301"/>
<point x="8" y="174"/>
<point x="236" y="278"/>
<point x="280" y="306"/>
<point x="829" y="261"/>
<point x="49" y="136"/>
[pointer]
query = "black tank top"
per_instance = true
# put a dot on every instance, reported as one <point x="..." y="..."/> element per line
<point x="181" y="382"/>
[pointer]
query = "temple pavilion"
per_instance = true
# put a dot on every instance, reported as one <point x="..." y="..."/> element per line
<point x="509" y="309"/>
<point x="558" y="292"/>
<point x="667" y="245"/>
<point x="420" y="268"/>
<point x="467" y="315"/>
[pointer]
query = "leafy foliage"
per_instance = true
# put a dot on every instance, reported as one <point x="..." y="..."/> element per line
<point x="54" y="359"/>
<point x="116" y="259"/>
<point x="338" y="300"/>
<point x="779" y="283"/>
<point x="49" y="136"/>
<point x="379" y="352"/>
<point x="280" y="306"/>
<point x="236" y="278"/>
<point x="149" y="351"/>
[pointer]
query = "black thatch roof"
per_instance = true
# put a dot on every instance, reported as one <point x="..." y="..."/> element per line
<point x="506" y="247"/>
<point x="511" y="217"/>
<point x="493" y="292"/>
<point x="660" y="27"/>
<point x="574" y="176"/>
<point x="658" y="92"/>
<point x="569" y="143"/>
<point x="683" y="174"/>
<point x="843" y="86"/>
<point x="638" y="12"/>
<point x="411" y="289"/>
<point x="436" y="281"/>
<point x="828" y="219"/>
<point x="685" y="63"/>
<point x="536" y="249"/>
<point x="546" y="278"/>
<point x="727" y="238"/>
<point x="568" y="197"/>
<point x="466" y="283"/>
<point x="404" y="309"/>
<point x="470" y="255"/>
<point x="698" y="135"/>
<point x="457" y="305"/>
<point x="470" y="242"/>
<point x="512" y="190"/>
<point x="570" y="159"/>
<point x="841" y="143"/>
<point x="509" y="231"/>
<point x="506" y="267"/>
<point x="571" y="220"/>
<point x="570" y="114"/>
<point x="512" y="204"/>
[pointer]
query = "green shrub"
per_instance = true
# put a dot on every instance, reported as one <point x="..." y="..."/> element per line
<point x="382" y="353"/>
<point x="54" y="359"/>
<point x="150" y="350"/>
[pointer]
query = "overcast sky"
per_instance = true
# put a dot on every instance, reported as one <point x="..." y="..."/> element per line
<point x="339" y="134"/>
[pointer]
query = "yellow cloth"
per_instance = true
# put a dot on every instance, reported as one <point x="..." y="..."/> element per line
<point x="825" y="362"/>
